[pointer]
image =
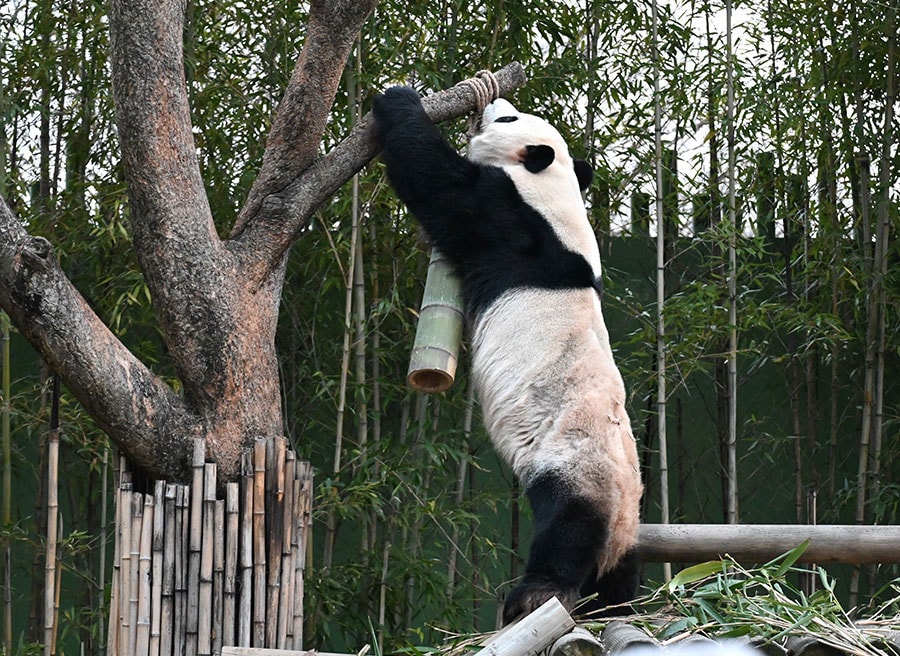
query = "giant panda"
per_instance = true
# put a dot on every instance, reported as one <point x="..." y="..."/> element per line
<point x="512" y="221"/>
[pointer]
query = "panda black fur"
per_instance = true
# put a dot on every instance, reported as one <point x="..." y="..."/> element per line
<point x="512" y="220"/>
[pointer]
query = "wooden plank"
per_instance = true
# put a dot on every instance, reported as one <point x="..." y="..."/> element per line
<point x="754" y="543"/>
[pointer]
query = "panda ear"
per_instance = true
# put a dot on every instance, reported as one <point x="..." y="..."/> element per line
<point x="537" y="158"/>
<point x="584" y="173"/>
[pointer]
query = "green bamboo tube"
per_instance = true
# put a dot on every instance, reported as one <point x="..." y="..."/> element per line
<point x="432" y="363"/>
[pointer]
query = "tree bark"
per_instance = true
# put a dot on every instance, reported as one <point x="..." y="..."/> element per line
<point x="216" y="300"/>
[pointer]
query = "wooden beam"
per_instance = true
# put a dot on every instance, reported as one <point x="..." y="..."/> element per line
<point x="691" y="543"/>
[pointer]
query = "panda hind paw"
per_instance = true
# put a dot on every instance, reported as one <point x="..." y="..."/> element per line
<point x="527" y="597"/>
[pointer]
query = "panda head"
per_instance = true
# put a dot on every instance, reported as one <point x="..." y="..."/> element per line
<point x="511" y="139"/>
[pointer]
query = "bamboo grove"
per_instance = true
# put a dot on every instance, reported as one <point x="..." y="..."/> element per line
<point x="416" y="523"/>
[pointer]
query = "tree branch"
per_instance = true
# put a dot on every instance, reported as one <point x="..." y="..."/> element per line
<point x="281" y="216"/>
<point x="302" y="116"/>
<point x="138" y="411"/>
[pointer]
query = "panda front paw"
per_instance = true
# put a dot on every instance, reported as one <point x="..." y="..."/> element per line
<point x="530" y="595"/>
<point x="395" y="106"/>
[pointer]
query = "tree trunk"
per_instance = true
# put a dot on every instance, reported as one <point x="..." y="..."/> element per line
<point x="216" y="299"/>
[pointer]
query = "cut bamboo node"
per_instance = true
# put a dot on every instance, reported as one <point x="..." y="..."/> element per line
<point x="432" y="363"/>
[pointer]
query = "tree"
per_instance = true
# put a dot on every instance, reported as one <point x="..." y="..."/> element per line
<point x="216" y="300"/>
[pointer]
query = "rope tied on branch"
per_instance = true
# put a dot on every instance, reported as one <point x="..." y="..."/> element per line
<point x="486" y="88"/>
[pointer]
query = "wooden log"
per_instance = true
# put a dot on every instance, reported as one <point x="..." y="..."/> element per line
<point x="207" y="542"/>
<point x="156" y="569"/>
<point x="144" y="582"/>
<point x="232" y="491"/>
<point x="432" y="363"/>
<point x="532" y="633"/>
<point x="194" y="548"/>
<point x="246" y="553"/>
<point x="259" y="544"/>
<point x="754" y="543"/>
<point x="218" y="600"/>
<point x="167" y="583"/>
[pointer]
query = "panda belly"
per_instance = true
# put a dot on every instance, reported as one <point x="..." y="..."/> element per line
<point x="553" y="403"/>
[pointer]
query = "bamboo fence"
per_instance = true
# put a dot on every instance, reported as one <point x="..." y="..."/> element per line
<point x="193" y="573"/>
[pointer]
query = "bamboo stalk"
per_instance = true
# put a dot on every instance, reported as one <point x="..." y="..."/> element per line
<point x="194" y="546"/>
<point x="167" y="582"/>
<point x="246" y="553"/>
<point x="52" y="535"/>
<point x="259" y="544"/>
<point x="303" y="496"/>
<point x="156" y="570"/>
<point x="432" y="363"/>
<point x="218" y="599"/>
<point x="181" y="543"/>
<point x="849" y="544"/>
<point x="114" y="597"/>
<point x="232" y="490"/>
<point x="104" y="505"/>
<point x="144" y="582"/>
<point x="7" y="485"/>
<point x="134" y="564"/>
<point x="275" y="529"/>
<point x="207" y="533"/>
<point x="289" y="521"/>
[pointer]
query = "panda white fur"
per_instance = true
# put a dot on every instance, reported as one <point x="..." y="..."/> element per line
<point x="512" y="220"/>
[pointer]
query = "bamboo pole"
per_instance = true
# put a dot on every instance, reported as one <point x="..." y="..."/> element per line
<point x="259" y="544"/>
<point x="533" y="633"/>
<point x="167" y="582"/>
<point x="432" y="363"/>
<point x="289" y="521"/>
<point x="303" y="492"/>
<point x="194" y="548"/>
<point x="182" y="502"/>
<point x="145" y="559"/>
<point x="207" y="533"/>
<point x="246" y="553"/>
<point x="104" y="506"/>
<point x="115" y="581"/>
<point x="134" y="564"/>
<point x="7" y="486"/>
<point x="218" y="599"/>
<point x="156" y="570"/>
<point x="52" y="535"/>
<point x="688" y="543"/>
<point x="275" y="530"/>
<point x="232" y="490"/>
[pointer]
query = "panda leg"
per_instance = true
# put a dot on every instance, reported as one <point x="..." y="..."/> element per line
<point x="569" y="534"/>
<point x="618" y="586"/>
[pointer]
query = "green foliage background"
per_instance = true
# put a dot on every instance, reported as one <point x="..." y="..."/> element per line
<point x="811" y="90"/>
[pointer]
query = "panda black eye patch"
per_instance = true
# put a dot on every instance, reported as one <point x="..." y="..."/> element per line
<point x="506" y="119"/>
